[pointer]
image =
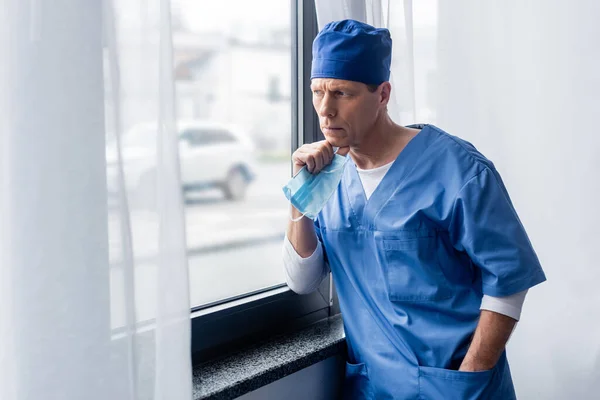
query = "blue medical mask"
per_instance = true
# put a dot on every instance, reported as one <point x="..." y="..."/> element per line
<point x="309" y="193"/>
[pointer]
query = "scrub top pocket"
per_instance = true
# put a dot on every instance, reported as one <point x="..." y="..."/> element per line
<point x="357" y="384"/>
<point x="411" y="267"/>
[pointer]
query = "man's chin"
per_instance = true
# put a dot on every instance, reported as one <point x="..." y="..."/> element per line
<point x="336" y="141"/>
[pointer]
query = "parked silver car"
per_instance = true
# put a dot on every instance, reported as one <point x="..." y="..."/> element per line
<point x="212" y="155"/>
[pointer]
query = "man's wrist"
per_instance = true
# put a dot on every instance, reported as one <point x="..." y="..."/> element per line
<point x="295" y="213"/>
<point x="489" y="341"/>
<point x="476" y="365"/>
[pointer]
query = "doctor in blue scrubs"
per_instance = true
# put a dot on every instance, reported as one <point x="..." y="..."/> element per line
<point x="419" y="233"/>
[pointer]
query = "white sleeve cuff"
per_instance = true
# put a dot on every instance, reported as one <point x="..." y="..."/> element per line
<point x="303" y="275"/>
<point x="510" y="306"/>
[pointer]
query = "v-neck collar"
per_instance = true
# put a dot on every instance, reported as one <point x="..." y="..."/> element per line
<point x="366" y="210"/>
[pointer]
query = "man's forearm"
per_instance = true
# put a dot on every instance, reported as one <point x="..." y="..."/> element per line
<point x="491" y="335"/>
<point x="301" y="234"/>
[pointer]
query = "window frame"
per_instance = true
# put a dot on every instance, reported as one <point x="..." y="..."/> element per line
<point x="227" y="326"/>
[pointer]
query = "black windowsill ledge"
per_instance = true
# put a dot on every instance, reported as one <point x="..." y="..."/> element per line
<point x="262" y="364"/>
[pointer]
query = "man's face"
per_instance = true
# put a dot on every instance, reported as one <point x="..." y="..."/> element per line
<point x="346" y="109"/>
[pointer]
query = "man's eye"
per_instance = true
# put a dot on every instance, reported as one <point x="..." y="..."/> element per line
<point x="340" y="93"/>
<point x="317" y="92"/>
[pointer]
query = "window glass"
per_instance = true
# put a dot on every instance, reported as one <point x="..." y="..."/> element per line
<point x="233" y="90"/>
<point x="233" y="68"/>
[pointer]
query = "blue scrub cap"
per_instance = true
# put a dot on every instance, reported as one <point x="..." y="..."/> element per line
<point x="353" y="51"/>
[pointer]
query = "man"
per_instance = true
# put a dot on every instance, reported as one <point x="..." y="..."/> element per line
<point x="429" y="257"/>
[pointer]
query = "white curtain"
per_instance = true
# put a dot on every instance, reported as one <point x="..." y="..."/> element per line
<point x="519" y="80"/>
<point x="94" y="290"/>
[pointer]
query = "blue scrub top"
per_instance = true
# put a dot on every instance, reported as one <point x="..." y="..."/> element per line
<point x="411" y="265"/>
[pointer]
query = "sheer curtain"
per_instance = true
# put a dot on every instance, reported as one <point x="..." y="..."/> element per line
<point x="519" y="80"/>
<point x="94" y="290"/>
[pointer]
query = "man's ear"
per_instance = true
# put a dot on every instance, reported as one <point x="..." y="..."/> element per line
<point x="385" y="90"/>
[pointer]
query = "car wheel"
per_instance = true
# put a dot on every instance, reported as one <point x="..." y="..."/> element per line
<point x="235" y="185"/>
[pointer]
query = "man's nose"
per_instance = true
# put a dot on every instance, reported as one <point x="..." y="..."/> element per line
<point x="326" y="108"/>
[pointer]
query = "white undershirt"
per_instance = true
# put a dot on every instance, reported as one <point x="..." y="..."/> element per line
<point x="304" y="275"/>
<point x="370" y="178"/>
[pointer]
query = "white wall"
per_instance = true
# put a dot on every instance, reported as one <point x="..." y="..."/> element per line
<point x="520" y="81"/>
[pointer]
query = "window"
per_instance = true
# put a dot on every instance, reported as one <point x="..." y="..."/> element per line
<point x="241" y="74"/>
<point x="237" y="214"/>
<point x="242" y="106"/>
